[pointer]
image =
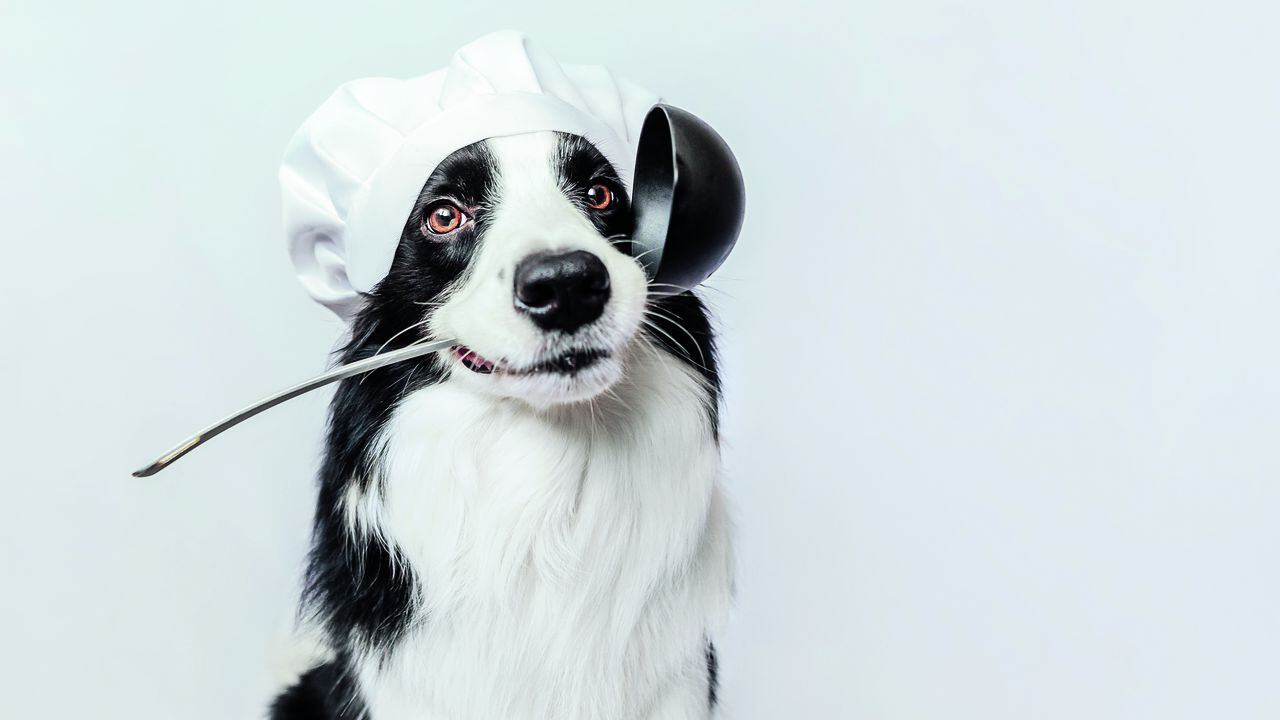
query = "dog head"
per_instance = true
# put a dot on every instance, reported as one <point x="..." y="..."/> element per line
<point x="517" y="247"/>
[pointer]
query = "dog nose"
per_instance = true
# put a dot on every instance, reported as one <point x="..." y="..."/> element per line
<point x="561" y="291"/>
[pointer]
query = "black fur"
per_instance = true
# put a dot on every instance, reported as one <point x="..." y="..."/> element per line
<point x="360" y="591"/>
<point x="713" y="675"/>
<point x="327" y="692"/>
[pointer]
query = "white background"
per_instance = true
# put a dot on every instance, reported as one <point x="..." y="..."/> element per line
<point x="1000" y="342"/>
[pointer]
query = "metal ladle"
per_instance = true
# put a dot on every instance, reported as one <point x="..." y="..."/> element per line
<point x="688" y="201"/>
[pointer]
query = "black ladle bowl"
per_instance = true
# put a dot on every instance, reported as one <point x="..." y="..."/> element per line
<point x="688" y="199"/>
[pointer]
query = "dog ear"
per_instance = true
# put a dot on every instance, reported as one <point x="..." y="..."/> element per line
<point x="321" y="264"/>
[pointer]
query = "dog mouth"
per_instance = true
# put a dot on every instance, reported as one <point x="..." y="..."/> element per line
<point x="567" y="363"/>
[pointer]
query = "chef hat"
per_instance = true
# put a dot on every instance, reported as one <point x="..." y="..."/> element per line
<point x="352" y="172"/>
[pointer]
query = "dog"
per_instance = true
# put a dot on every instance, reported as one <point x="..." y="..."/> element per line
<point x="530" y="525"/>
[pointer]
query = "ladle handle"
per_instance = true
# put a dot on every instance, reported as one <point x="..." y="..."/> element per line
<point x="339" y="373"/>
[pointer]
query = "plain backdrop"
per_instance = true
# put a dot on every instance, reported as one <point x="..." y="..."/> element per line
<point x="1000" y="341"/>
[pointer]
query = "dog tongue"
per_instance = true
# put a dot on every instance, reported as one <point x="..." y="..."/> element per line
<point x="473" y="360"/>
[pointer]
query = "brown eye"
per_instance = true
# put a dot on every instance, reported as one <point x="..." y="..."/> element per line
<point x="599" y="197"/>
<point x="444" y="219"/>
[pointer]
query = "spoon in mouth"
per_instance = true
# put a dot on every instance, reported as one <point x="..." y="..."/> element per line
<point x="688" y="204"/>
<point x="339" y="373"/>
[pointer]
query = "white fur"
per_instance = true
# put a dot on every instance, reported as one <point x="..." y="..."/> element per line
<point x="570" y="535"/>
<point x="570" y="567"/>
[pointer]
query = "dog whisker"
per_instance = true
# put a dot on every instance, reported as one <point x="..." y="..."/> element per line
<point x="383" y="346"/>
<point x="653" y="326"/>
<point x="656" y="312"/>
<point x="646" y="252"/>
<point x="681" y="289"/>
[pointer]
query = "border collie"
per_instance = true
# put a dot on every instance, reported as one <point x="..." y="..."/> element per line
<point x="529" y="526"/>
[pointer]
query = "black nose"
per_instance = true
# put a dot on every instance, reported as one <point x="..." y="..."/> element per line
<point x="562" y="291"/>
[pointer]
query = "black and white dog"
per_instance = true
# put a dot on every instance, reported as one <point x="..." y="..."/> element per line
<point x="530" y="526"/>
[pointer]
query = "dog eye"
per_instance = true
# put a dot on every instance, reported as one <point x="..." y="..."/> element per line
<point x="599" y="197"/>
<point x="444" y="218"/>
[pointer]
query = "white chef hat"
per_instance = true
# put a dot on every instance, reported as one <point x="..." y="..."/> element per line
<point x="352" y="172"/>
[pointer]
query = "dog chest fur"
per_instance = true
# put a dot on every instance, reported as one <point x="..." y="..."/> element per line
<point x="571" y="562"/>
